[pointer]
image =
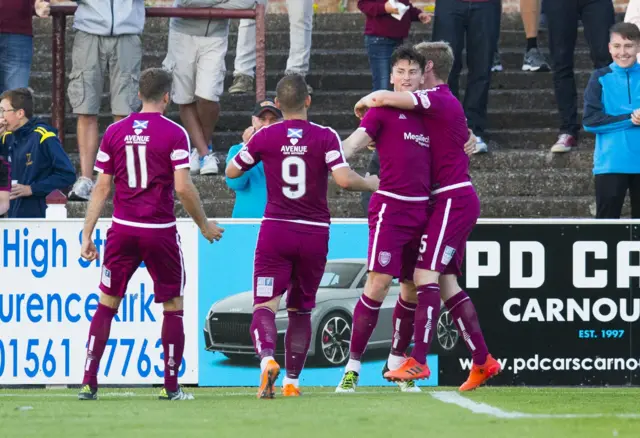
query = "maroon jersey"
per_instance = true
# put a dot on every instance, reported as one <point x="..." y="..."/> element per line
<point x="297" y="156"/>
<point x="403" y="147"/>
<point x="142" y="152"/>
<point x="446" y="125"/>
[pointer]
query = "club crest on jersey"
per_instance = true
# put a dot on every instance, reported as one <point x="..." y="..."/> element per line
<point x="139" y="125"/>
<point x="384" y="258"/>
<point x="294" y="133"/>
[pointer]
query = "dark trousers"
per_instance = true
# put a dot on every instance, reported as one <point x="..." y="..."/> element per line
<point x="611" y="189"/>
<point x="475" y="25"/>
<point x="379" y="51"/>
<point x="562" y="23"/>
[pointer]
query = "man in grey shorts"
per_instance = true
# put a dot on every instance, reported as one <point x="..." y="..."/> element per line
<point x="300" y="27"/>
<point x="195" y="56"/>
<point x="107" y="39"/>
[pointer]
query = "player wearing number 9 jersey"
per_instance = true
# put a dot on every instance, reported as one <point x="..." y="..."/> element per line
<point x="293" y="240"/>
<point x="147" y="156"/>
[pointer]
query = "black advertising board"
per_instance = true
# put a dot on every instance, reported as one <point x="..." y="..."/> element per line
<point x="558" y="303"/>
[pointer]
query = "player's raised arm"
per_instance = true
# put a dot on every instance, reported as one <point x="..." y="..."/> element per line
<point x="246" y="158"/>
<point x="395" y="99"/>
<point x="190" y="199"/>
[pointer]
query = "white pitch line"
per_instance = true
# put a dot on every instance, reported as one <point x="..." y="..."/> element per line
<point x="203" y="394"/>
<point x="483" y="408"/>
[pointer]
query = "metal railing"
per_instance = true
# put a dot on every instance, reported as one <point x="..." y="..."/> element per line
<point x="59" y="14"/>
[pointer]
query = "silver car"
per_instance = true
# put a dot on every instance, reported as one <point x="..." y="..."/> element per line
<point x="226" y="328"/>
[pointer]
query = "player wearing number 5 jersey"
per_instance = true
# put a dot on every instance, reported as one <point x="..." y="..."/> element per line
<point x="147" y="156"/>
<point x="293" y="240"/>
<point x="452" y="216"/>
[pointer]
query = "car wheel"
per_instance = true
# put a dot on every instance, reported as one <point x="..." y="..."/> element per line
<point x="241" y="358"/>
<point x="333" y="339"/>
<point x="447" y="332"/>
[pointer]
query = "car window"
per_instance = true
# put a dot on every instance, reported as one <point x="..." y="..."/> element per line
<point x="340" y="275"/>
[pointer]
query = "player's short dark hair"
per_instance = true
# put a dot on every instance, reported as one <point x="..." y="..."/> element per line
<point x="406" y="52"/>
<point x="292" y="93"/>
<point x="628" y="31"/>
<point x="154" y="84"/>
<point x="441" y="54"/>
<point x="21" y="99"/>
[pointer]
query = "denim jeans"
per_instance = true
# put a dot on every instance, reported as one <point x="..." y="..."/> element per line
<point x="16" y="52"/>
<point x="379" y="50"/>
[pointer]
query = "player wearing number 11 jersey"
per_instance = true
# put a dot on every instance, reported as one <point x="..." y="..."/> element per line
<point x="293" y="240"/>
<point x="147" y="156"/>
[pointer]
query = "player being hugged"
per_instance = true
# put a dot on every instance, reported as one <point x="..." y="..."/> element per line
<point x="293" y="240"/>
<point x="453" y="213"/>
<point x="397" y="216"/>
<point x="147" y="156"/>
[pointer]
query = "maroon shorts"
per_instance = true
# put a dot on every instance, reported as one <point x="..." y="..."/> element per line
<point x="395" y="228"/>
<point x="451" y="220"/>
<point x="289" y="258"/>
<point x="160" y="251"/>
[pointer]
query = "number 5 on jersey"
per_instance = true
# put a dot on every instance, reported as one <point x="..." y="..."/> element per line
<point x="294" y="173"/>
<point x="131" y="166"/>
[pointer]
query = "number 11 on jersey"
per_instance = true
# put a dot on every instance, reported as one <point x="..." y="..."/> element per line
<point x="131" y="166"/>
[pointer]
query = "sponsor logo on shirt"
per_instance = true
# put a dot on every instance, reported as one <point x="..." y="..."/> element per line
<point x="293" y="150"/>
<point x="421" y="139"/>
<point x="179" y="154"/>
<point x="331" y="156"/>
<point x="136" y="139"/>
<point x="402" y="117"/>
<point x="103" y="157"/>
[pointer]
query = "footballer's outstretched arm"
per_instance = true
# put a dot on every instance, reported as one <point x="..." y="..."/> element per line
<point x="357" y="141"/>
<point x="395" y="99"/>
<point x="99" y="196"/>
<point x="348" y="179"/>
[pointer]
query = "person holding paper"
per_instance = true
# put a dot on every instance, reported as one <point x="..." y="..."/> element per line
<point x="386" y="27"/>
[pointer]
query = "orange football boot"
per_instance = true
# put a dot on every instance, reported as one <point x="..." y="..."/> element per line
<point x="481" y="373"/>
<point x="411" y="369"/>
<point x="290" y="390"/>
<point x="268" y="379"/>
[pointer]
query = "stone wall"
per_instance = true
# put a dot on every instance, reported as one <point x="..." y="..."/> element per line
<point x="279" y="6"/>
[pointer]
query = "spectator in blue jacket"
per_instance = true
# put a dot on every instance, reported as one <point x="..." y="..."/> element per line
<point x="39" y="165"/>
<point x="251" y="188"/>
<point x="612" y="112"/>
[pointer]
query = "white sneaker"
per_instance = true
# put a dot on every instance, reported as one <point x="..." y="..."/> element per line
<point x="81" y="190"/>
<point x="348" y="383"/>
<point x="194" y="162"/>
<point x="209" y="165"/>
<point x="481" y="147"/>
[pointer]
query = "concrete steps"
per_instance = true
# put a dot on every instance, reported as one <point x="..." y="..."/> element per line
<point x="518" y="178"/>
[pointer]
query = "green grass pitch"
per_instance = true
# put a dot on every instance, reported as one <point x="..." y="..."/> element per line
<point x="371" y="412"/>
